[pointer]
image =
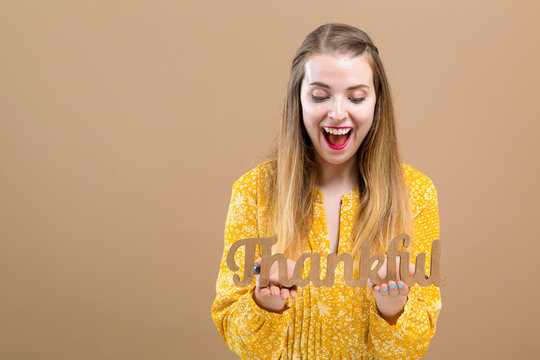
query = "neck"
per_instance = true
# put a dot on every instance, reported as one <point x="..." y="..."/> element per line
<point x="337" y="176"/>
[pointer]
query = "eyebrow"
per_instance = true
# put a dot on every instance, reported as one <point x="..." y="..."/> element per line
<point x="349" y="88"/>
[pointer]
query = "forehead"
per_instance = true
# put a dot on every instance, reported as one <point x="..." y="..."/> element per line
<point x="338" y="71"/>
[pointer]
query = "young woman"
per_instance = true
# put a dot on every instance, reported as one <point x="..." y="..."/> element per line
<point x="334" y="179"/>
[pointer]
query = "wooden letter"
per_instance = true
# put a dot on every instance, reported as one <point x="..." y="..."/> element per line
<point x="420" y="270"/>
<point x="435" y="275"/>
<point x="391" y="255"/>
<point x="314" y="270"/>
<point x="374" y="273"/>
<point x="365" y="263"/>
<point x="404" y="259"/>
<point x="249" y="261"/>
<point x="268" y="259"/>
<point x="332" y="262"/>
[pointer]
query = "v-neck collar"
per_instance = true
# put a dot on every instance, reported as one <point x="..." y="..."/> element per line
<point x="349" y="195"/>
<point x="350" y="203"/>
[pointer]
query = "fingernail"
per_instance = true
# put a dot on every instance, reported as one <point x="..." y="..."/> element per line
<point x="400" y="285"/>
<point x="392" y="286"/>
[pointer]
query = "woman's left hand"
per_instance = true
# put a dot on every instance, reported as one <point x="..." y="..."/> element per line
<point x="391" y="297"/>
<point x="393" y="287"/>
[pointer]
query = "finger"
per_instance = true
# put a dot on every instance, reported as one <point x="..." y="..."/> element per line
<point x="264" y="291"/>
<point x="372" y="285"/>
<point x="284" y="293"/>
<point x="257" y="264"/>
<point x="384" y="290"/>
<point x="274" y="290"/>
<point x="293" y="292"/>
<point x="403" y="288"/>
<point x="393" y="289"/>
<point x="257" y="283"/>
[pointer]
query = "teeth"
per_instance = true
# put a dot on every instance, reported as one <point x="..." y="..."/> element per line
<point x="336" y="131"/>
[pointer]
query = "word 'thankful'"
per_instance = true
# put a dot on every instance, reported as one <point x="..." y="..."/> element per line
<point x="333" y="260"/>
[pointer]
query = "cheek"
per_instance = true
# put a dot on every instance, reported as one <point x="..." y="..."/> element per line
<point x="313" y="112"/>
<point x="311" y="119"/>
<point x="365" y="115"/>
<point x="311" y="127"/>
<point x="306" y="110"/>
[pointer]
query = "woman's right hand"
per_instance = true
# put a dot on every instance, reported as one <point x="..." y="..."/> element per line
<point x="274" y="296"/>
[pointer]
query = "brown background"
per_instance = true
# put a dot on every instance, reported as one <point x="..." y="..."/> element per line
<point x="124" y="125"/>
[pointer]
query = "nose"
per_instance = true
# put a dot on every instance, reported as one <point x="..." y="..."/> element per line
<point x="338" y="110"/>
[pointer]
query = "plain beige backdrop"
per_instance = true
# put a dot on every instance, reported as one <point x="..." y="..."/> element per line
<point x="123" y="125"/>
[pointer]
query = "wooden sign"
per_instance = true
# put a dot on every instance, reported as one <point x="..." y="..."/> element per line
<point x="333" y="259"/>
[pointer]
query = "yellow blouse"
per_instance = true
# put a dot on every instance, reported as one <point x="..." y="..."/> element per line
<point x="338" y="322"/>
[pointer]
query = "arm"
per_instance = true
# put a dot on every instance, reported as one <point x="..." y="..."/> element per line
<point x="248" y="330"/>
<point x="409" y="338"/>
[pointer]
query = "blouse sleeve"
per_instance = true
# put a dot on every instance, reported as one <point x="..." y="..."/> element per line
<point x="248" y="330"/>
<point x="409" y="338"/>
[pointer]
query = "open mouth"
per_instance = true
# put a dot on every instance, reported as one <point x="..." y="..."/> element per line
<point x="337" y="141"/>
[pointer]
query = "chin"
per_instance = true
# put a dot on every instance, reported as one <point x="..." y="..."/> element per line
<point x="337" y="159"/>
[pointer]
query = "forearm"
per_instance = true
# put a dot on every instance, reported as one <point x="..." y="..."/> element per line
<point x="409" y="336"/>
<point x="246" y="327"/>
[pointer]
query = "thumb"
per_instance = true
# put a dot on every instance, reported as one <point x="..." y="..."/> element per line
<point x="257" y="263"/>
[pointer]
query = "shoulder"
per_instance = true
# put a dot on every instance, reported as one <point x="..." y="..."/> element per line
<point x="421" y="188"/>
<point x="257" y="178"/>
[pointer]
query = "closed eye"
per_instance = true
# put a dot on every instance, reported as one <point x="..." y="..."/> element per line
<point x="318" y="98"/>
<point x="358" y="100"/>
<point x="322" y="98"/>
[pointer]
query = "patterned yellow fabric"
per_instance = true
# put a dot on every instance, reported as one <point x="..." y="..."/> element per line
<point x="338" y="322"/>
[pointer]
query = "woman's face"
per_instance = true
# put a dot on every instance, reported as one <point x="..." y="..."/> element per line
<point x="337" y="93"/>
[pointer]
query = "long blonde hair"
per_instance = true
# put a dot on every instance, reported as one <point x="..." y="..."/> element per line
<point x="384" y="210"/>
